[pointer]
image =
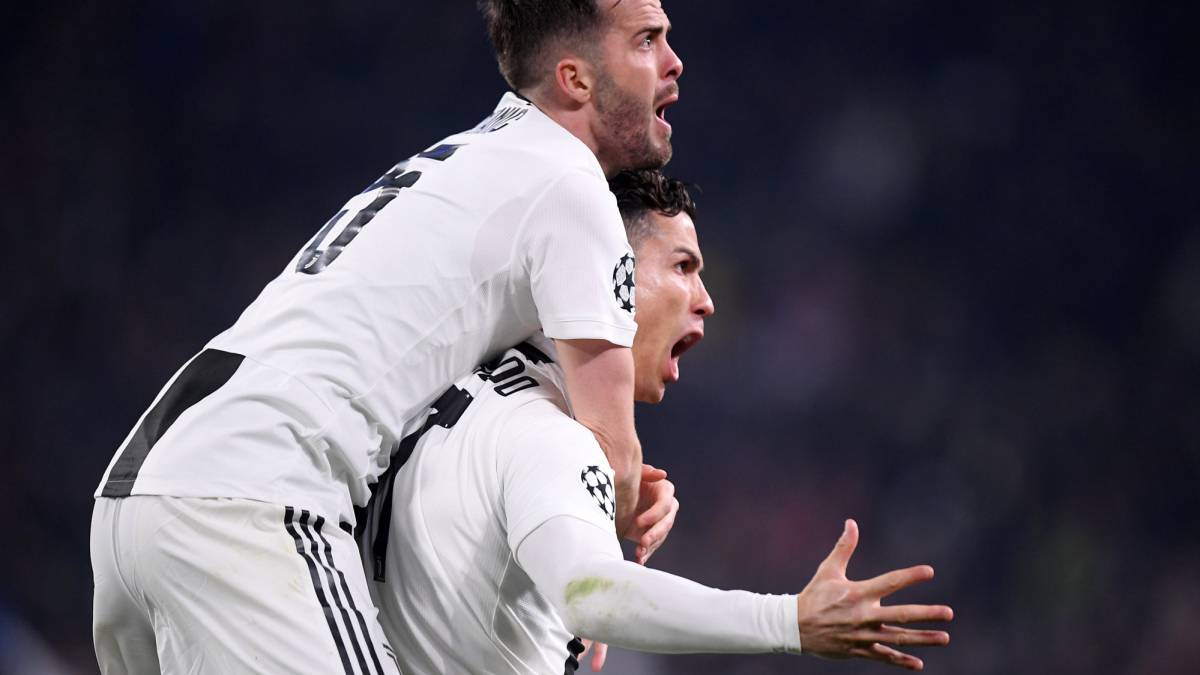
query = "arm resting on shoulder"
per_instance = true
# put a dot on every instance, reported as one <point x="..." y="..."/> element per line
<point x="599" y="377"/>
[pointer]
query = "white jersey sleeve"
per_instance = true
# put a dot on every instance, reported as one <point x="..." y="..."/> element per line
<point x="607" y="599"/>
<point x="556" y="469"/>
<point x="558" y="497"/>
<point x="579" y="263"/>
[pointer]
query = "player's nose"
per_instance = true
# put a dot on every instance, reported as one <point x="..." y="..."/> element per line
<point x="703" y="305"/>
<point x="673" y="65"/>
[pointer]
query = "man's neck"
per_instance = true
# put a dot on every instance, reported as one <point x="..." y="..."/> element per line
<point x="576" y="120"/>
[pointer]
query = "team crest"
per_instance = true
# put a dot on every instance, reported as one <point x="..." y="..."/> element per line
<point x="601" y="489"/>
<point x="623" y="285"/>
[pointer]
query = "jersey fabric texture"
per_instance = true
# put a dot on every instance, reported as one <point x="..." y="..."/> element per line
<point x="453" y="255"/>
<point x="453" y="598"/>
<point x="190" y="585"/>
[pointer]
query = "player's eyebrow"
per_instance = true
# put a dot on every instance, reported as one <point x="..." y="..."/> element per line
<point x="693" y="257"/>
<point x="654" y="30"/>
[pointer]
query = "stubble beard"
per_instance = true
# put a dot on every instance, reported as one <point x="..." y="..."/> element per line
<point x="626" y="140"/>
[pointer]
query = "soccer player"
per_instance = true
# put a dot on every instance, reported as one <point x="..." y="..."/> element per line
<point x="221" y="530"/>
<point x="500" y="552"/>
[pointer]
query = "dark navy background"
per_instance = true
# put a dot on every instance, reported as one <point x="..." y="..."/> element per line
<point x="954" y="248"/>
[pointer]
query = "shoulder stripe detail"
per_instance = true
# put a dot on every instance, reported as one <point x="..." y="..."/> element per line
<point x="207" y="372"/>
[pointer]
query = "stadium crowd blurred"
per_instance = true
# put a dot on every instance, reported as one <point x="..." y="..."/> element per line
<point x="954" y="249"/>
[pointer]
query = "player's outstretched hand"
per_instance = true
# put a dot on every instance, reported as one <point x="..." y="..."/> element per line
<point x="655" y="514"/>
<point x="840" y="618"/>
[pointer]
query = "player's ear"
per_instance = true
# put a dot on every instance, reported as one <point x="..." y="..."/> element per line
<point x="574" y="78"/>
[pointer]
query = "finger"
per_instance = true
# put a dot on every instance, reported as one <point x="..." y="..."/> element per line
<point x="911" y="613"/>
<point x="839" y="557"/>
<point x="599" y="657"/>
<point x="886" y="654"/>
<point x="662" y="507"/>
<point x="655" y="536"/>
<point x="904" y="637"/>
<point x="664" y="503"/>
<point x="665" y="506"/>
<point x="890" y="582"/>
<point x="651" y="474"/>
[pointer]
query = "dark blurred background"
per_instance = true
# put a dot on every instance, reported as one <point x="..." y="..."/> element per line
<point x="954" y="248"/>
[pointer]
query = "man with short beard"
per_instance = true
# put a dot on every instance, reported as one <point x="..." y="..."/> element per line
<point x="243" y="476"/>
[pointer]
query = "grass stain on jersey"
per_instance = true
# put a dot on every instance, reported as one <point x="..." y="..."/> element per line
<point x="581" y="588"/>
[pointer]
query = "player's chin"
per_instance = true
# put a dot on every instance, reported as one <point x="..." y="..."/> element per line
<point x="656" y="387"/>
<point x="659" y="154"/>
<point x="665" y="151"/>
<point x="661" y="133"/>
<point x="649" y="390"/>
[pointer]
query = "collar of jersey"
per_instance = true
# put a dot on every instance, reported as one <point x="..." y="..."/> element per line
<point x="512" y="98"/>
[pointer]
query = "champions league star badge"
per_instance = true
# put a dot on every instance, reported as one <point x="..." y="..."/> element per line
<point x="601" y="488"/>
<point x="623" y="285"/>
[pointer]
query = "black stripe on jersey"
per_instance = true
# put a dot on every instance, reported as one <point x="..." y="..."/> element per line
<point x="533" y="354"/>
<point x="574" y="649"/>
<point x="448" y="408"/>
<point x="392" y="655"/>
<point x="301" y="548"/>
<point x="362" y="623"/>
<point x="203" y="375"/>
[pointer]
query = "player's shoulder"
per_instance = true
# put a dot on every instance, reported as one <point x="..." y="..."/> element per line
<point x="527" y="387"/>
<point x="541" y="436"/>
<point x="531" y="144"/>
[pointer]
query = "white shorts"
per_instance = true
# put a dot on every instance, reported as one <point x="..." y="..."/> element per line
<point x="188" y="585"/>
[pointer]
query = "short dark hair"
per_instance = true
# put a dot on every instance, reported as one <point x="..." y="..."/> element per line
<point x="522" y="29"/>
<point x="643" y="191"/>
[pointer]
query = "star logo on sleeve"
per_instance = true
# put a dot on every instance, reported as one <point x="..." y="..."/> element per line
<point x="623" y="285"/>
<point x="601" y="489"/>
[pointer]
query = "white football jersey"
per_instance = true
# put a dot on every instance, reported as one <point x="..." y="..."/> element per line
<point x="452" y="256"/>
<point x="500" y="457"/>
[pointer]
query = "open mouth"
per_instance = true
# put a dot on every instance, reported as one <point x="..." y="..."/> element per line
<point x="661" y="111"/>
<point x="685" y="343"/>
<point x="677" y="350"/>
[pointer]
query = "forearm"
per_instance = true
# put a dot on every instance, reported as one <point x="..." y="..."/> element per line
<point x="607" y="599"/>
<point x="600" y="384"/>
<point x="625" y="456"/>
<point x="627" y="605"/>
